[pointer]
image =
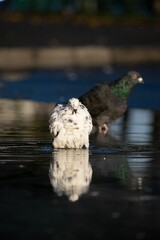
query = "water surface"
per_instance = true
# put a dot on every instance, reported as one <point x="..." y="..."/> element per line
<point x="111" y="191"/>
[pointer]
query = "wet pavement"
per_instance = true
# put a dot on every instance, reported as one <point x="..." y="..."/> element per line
<point x="111" y="191"/>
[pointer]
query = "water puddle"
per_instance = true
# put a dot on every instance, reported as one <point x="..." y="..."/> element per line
<point x="116" y="180"/>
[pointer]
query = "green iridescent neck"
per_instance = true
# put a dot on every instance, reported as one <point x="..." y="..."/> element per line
<point x="122" y="88"/>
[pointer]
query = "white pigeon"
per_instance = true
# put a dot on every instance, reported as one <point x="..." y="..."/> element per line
<point x="70" y="125"/>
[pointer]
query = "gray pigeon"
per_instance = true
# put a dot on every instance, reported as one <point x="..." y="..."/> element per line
<point x="108" y="101"/>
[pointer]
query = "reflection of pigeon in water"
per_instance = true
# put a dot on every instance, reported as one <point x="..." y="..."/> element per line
<point x="108" y="101"/>
<point x="70" y="125"/>
<point x="70" y="172"/>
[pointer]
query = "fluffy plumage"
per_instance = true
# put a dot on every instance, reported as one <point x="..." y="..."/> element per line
<point x="70" y="125"/>
<point x="108" y="101"/>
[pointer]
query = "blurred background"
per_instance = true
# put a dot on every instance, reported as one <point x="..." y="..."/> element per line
<point x="117" y="7"/>
<point x="110" y="27"/>
<point x="97" y="40"/>
<point x="51" y="50"/>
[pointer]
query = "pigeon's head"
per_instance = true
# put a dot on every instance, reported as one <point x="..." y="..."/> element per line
<point x="123" y="86"/>
<point x="73" y="105"/>
<point x="135" y="77"/>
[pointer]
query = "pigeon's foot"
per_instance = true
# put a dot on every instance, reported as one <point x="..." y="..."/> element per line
<point x="103" y="129"/>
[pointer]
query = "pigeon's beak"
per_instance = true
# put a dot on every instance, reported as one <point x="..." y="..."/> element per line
<point x="74" y="111"/>
<point x="140" y="80"/>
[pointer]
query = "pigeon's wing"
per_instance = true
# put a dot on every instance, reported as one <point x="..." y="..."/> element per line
<point x="87" y="118"/>
<point x="96" y="99"/>
<point x="109" y="116"/>
<point x="55" y="122"/>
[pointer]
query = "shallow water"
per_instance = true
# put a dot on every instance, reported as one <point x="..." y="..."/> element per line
<point x="111" y="191"/>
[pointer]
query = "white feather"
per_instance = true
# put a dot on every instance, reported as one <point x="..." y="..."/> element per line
<point x="70" y="125"/>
